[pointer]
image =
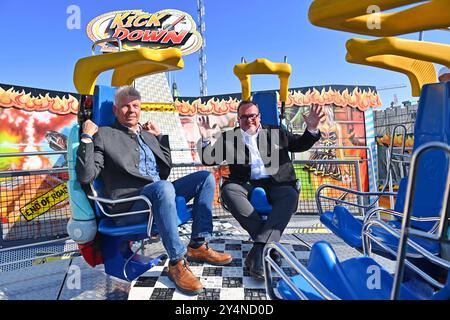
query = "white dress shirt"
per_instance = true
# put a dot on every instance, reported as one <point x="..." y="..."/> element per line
<point x="258" y="171"/>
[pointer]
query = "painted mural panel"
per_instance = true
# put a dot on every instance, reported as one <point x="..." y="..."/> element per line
<point x="34" y="204"/>
<point x="344" y="127"/>
<point x="34" y="120"/>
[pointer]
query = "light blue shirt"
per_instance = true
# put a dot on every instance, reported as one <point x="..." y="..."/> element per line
<point x="147" y="160"/>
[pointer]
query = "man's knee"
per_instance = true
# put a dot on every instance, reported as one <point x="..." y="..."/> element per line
<point x="287" y="198"/>
<point x="292" y="194"/>
<point x="208" y="179"/>
<point x="165" y="190"/>
<point x="231" y="190"/>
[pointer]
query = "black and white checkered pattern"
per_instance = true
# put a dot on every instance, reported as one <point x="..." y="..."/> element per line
<point x="154" y="88"/>
<point x="231" y="282"/>
<point x="170" y="124"/>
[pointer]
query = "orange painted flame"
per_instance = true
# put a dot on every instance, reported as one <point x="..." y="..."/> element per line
<point x="185" y="108"/>
<point x="213" y="106"/>
<point x="23" y="100"/>
<point x="356" y="99"/>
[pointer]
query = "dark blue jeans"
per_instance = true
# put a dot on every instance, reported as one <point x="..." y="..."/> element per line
<point x="198" y="185"/>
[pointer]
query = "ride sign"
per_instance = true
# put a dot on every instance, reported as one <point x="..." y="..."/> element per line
<point x="136" y="29"/>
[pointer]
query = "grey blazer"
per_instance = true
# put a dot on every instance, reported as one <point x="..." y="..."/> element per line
<point x="114" y="156"/>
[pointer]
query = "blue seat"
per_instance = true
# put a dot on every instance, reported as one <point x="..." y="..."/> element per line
<point x="259" y="201"/>
<point x="115" y="240"/>
<point x="342" y="223"/>
<point x="432" y="125"/>
<point x="118" y="258"/>
<point x="360" y="278"/>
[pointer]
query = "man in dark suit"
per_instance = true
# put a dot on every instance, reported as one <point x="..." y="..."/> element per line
<point x="258" y="156"/>
<point x="131" y="160"/>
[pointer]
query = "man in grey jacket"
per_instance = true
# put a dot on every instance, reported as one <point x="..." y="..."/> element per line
<point x="134" y="159"/>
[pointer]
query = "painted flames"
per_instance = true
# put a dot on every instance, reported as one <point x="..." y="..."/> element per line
<point x="355" y="99"/>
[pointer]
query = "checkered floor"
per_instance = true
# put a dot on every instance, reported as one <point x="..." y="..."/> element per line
<point x="231" y="282"/>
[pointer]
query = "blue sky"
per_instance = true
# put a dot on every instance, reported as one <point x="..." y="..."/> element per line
<point x="38" y="50"/>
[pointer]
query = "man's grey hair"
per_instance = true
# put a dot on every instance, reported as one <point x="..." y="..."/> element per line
<point x="126" y="91"/>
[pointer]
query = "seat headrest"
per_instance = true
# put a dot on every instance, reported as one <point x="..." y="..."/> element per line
<point x="103" y="114"/>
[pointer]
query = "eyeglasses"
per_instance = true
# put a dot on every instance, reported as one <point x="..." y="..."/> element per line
<point x="249" y="116"/>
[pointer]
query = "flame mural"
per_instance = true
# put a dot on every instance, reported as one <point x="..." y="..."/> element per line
<point x="21" y="99"/>
<point x="356" y="98"/>
<point x="32" y="120"/>
<point x="213" y="106"/>
<point x="361" y="99"/>
<point x="26" y="119"/>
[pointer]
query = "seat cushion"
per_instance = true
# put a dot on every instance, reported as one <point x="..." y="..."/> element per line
<point x="108" y="226"/>
<point x="342" y="223"/>
<point x="360" y="278"/>
<point x="392" y="242"/>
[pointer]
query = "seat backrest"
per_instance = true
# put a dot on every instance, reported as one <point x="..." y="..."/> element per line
<point x="258" y="199"/>
<point x="102" y="109"/>
<point x="432" y="124"/>
<point x="325" y="266"/>
<point x="102" y="115"/>
<point x="268" y="107"/>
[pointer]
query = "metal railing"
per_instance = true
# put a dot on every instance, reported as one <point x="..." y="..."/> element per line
<point x="34" y="204"/>
<point x="22" y="188"/>
<point x="45" y="227"/>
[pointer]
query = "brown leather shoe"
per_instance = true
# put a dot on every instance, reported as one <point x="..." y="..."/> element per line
<point x="206" y="254"/>
<point x="184" y="279"/>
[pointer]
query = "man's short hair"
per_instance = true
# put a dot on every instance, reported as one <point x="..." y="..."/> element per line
<point x="245" y="102"/>
<point x="126" y="91"/>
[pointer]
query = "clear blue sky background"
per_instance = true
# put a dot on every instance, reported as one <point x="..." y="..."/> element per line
<point x="39" y="51"/>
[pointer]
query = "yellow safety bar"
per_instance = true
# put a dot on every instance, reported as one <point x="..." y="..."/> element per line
<point x="127" y="65"/>
<point x="358" y="17"/>
<point x="263" y="66"/>
<point x="413" y="58"/>
<point x="419" y="72"/>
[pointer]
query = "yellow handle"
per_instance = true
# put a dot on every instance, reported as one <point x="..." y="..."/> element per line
<point x="362" y="17"/>
<point x="263" y="66"/>
<point x="413" y="58"/>
<point x="127" y="65"/>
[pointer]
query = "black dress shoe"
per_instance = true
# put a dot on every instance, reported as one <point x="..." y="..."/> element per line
<point x="248" y="259"/>
<point x="256" y="266"/>
<point x="276" y="257"/>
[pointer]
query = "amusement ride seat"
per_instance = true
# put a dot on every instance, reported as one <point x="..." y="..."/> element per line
<point x="115" y="241"/>
<point x="90" y="225"/>
<point x="432" y="125"/>
<point x="422" y="207"/>
<point x="362" y="278"/>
